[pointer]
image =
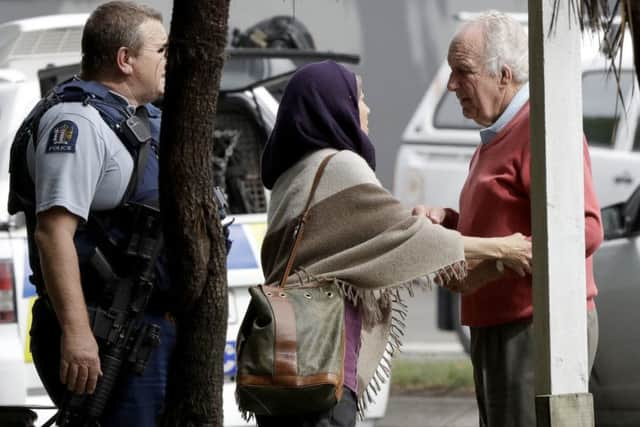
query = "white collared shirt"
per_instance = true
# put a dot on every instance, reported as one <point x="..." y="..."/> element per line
<point x="520" y="98"/>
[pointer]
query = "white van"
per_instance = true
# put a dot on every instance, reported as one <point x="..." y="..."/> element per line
<point x="37" y="53"/>
<point x="432" y="166"/>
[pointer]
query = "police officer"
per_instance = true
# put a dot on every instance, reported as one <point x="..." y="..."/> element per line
<point x="81" y="166"/>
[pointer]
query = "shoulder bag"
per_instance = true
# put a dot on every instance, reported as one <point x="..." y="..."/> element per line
<point x="290" y="347"/>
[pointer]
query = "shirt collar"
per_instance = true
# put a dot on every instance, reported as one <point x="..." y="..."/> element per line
<point x="520" y="98"/>
<point x="122" y="100"/>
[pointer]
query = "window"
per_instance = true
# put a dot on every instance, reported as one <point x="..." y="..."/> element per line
<point x="601" y="106"/>
<point x="449" y="114"/>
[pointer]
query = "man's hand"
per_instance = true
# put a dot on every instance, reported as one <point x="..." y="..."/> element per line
<point x="79" y="357"/>
<point x="79" y="362"/>
<point x="436" y="215"/>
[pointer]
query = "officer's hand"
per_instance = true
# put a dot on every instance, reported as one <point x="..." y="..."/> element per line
<point x="79" y="361"/>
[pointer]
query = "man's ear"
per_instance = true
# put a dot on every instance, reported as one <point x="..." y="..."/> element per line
<point x="123" y="60"/>
<point x="506" y="75"/>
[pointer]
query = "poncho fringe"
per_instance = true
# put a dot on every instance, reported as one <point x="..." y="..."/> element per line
<point x="364" y="299"/>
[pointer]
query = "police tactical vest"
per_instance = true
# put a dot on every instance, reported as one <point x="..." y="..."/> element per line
<point x="132" y="128"/>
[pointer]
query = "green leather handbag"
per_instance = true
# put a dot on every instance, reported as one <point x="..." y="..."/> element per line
<point x="290" y="347"/>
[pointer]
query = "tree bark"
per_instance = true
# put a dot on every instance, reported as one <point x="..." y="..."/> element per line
<point x="193" y="235"/>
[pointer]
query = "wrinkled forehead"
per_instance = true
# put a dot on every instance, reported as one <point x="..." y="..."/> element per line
<point x="467" y="46"/>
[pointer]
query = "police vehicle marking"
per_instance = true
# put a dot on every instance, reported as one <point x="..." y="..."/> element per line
<point x="230" y="358"/>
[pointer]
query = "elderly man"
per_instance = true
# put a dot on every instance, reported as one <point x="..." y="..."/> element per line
<point x="80" y="161"/>
<point x="489" y="75"/>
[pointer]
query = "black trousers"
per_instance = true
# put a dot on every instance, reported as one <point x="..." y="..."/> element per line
<point x="341" y="415"/>
<point x="503" y="370"/>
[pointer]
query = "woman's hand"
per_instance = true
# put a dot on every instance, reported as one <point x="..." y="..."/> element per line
<point x="435" y="214"/>
<point x="516" y="253"/>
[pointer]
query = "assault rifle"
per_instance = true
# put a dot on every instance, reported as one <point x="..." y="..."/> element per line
<point x="124" y="338"/>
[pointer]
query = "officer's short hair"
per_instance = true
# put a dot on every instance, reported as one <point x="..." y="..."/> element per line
<point x="111" y="26"/>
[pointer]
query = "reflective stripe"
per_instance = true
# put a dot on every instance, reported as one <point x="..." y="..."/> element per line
<point x="27" y="341"/>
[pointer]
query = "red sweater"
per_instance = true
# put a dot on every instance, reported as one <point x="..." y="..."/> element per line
<point x="495" y="201"/>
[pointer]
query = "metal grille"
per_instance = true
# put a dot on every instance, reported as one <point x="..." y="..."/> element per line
<point x="243" y="172"/>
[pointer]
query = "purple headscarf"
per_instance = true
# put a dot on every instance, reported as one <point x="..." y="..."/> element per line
<point x="319" y="109"/>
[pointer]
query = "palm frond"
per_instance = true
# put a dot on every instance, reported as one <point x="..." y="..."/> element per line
<point x="611" y="18"/>
<point x="591" y="13"/>
<point x="594" y="13"/>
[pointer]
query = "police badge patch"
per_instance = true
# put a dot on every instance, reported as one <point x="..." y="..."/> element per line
<point x="63" y="137"/>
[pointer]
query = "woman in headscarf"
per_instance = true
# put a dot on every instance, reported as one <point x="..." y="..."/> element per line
<point x="356" y="234"/>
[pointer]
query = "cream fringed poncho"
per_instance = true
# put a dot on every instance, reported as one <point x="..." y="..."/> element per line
<point x="360" y="236"/>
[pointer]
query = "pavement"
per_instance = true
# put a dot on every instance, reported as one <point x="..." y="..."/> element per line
<point x="430" y="409"/>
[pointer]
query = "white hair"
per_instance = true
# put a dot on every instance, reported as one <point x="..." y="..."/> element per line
<point x="505" y="43"/>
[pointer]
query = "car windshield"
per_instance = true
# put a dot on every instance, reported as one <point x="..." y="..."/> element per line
<point x="242" y="72"/>
<point x="248" y="67"/>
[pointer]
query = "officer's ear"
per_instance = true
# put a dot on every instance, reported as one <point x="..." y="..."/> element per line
<point x="124" y="60"/>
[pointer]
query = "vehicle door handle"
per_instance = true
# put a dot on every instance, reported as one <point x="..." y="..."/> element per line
<point x="624" y="178"/>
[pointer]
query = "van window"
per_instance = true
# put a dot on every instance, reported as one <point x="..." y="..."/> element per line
<point x="601" y="106"/>
<point x="449" y="114"/>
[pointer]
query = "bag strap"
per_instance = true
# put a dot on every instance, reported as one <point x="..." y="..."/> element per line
<point x="303" y="219"/>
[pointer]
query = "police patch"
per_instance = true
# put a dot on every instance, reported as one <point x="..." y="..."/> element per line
<point x="63" y="137"/>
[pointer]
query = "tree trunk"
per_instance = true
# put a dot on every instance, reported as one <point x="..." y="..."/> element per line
<point x="193" y="234"/>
